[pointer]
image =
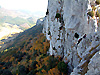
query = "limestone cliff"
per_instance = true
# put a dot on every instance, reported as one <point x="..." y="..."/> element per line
<point x="74" y="34"/>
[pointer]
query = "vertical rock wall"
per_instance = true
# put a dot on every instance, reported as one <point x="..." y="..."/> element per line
<point x="72" y="33"/>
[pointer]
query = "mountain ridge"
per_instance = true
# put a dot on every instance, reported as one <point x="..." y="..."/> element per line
<point x="12" y="21"/>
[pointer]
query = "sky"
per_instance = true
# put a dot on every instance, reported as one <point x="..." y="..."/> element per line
<point x="31" y="5"/>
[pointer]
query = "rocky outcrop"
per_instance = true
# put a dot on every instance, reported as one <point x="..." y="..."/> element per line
<point x="73" y="34"/>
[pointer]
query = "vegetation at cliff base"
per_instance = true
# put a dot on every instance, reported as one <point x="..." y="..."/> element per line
<point x="29" y="56"/>
<point x="62" y="67"/>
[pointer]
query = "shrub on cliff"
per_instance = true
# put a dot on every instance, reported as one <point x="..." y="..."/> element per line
<point x="90" y="13"/>
<point x="97" y="2"/>
<point x="93" y="7"/>
<point x="62" y="67"/>
<point x="57" y="15"/>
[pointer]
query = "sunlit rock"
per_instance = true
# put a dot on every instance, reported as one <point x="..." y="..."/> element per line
<point x="73" y="34"/>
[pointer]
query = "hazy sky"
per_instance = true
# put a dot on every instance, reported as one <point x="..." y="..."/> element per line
<point x="31" y="5"/>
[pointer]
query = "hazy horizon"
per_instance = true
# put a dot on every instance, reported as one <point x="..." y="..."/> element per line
<point x="34" y="6"/>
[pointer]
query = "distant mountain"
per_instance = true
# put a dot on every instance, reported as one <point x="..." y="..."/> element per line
<point x="14" y="21"/>
<point x="18" y="39"/>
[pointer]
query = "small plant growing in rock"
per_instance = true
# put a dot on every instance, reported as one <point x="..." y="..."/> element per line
<point x="47" y="12"/>
<point x="93" y="7"/>
<point x="61" y="27"/>
<point x="54" y="48"/>
<point x="90" y="13"/>
<point x="58" y="39"/>
<point x="76" y="35"/>
<point x="97" y="2"/>
<point x="49" y="33"/>
<point x="57" y="15"/>
<point x="97" y="14"/>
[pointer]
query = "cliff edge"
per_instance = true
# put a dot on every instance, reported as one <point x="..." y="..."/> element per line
<point x="73" y="27"/>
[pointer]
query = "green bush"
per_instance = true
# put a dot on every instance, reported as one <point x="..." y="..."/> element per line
<point x="90" y="13"/>
<point x="97" y="2"/>
<point x="62" y="67"/>
<point x="57" y="15"/>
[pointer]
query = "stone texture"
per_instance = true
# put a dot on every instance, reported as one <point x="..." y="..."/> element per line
<point x="61" y="33"/>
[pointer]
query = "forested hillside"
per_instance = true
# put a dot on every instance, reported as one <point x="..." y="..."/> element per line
<point x="27" y="55"/>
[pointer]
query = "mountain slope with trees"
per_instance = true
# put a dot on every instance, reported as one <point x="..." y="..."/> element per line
<point x="27" y="55"/>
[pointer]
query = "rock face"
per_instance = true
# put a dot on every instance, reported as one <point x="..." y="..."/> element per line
<point x="73" y="34"/>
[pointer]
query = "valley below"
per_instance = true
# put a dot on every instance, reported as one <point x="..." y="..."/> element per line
<point x="13" y="22"/>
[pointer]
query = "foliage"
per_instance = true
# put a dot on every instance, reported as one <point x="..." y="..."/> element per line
<point x="97" y="2"/>
<point x="53" y="61"/>
<point x="93" y="7"/>
<point x="29" y="55"/>
<point x="76" y="35"/>
<point x="33" y="65"/>
<point x="54" y="71"/>
<point x="8" y="64"/>
<point x="6" y="72"/>
<point x="57" y="15"/>
<point x="90" y="13"/>
<point x="32" y="72"/>
<point x="22" y="70"/>
<point x="62" y="67"/>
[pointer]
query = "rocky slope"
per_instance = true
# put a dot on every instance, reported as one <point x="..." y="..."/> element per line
<point x="74" y="34"/>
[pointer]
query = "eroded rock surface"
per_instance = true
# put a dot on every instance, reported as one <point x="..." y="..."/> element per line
<point x="74" y="34"/>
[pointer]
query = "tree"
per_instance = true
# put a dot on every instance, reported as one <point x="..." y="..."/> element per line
<point x="22" y="70"/>
<point x="8" y="64"/>
<point x="33" y="65"/>
<point x="53" y="61"/>
<point x="97" y="2"/>
<point x="6" y="72"/>
<point x="53" y="71"/>
<point x="62" y="67"/>
<point x="1" y="71"/>
<point x="32" y="72"/>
